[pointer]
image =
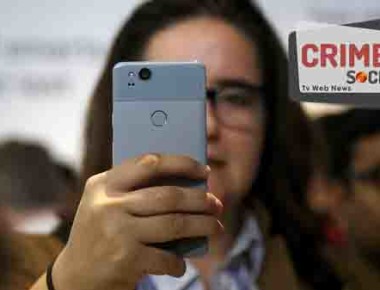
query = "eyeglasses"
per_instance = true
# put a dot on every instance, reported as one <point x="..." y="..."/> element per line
<point x="237" y="104"/>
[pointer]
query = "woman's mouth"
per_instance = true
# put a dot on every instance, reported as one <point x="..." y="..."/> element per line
<point x="215" y="163"/>
<point x="214" y="159"/>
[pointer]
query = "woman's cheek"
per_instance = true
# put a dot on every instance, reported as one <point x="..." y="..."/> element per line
<point x="244" y="161"/>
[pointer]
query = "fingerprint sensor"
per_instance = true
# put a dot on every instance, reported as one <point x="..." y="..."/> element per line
<point x="159" y="118"/>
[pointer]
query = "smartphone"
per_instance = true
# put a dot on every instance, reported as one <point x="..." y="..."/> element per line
<point x="160" y="107"/>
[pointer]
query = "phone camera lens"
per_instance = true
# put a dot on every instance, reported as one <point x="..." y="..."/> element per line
<point x="145" y="74"/>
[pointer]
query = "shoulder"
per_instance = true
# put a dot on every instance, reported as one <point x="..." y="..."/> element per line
<point x="277" y="271"/>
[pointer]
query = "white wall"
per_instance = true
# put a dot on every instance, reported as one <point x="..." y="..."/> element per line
<point x="51" y="53"/>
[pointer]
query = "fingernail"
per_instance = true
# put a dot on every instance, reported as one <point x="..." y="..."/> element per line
<point x="208" y="168"/>
<point x="220" y="206"/>
<point x="216" y="202"/>
<point x="221" y="227"/>
<point x="148" y="159"/>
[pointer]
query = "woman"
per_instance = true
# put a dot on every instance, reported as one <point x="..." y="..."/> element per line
<point x="267" y="228"/>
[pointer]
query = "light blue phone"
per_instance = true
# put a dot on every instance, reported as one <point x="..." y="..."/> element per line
<point x="160" y="107"/>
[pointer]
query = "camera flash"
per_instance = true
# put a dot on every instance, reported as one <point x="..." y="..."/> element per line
<point x="131" y="74"/>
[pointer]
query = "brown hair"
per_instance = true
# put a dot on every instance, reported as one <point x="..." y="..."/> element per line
<point x="30" y="177"/>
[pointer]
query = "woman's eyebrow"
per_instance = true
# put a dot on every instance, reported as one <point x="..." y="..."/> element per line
<point x="237" y="83"/>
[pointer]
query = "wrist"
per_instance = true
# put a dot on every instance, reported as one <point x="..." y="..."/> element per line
<point x="66" y="274"/>
<point x="61" y="276"/>
<point x="49" y="279"/>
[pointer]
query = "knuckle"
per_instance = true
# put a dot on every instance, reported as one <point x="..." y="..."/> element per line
<point x="158" y="194"/>
<point x="175" y="197"/>
<point x="151" y="160"/>
<point x="178" y="223"/>
<point x="167" y="197"/>
<point x="118" y="256"/>
<point x="92" y="182"/>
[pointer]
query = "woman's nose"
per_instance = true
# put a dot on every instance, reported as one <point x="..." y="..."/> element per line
<point x="212" y="122"/>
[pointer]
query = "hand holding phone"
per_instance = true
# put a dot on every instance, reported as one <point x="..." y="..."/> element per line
<point x="120" y="216"/>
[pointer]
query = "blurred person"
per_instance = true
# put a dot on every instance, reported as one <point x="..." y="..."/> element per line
<point x="33" y="186"/>
<point x="270" y="240"/>
<point x="21" y="257"/>
<point x="324" y="193"/>
<point x="32" y="192"/>
<point x="354" y="148"/>
<point x="310" y="166"/>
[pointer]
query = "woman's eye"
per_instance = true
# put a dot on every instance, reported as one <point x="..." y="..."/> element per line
<point x="237" y="100"/>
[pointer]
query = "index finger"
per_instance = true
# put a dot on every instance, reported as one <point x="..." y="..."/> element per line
<point x="143" y="170"/>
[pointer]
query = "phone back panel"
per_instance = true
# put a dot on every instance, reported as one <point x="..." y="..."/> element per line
<point x="165" y="114"/>
<point x="177" y="93"/>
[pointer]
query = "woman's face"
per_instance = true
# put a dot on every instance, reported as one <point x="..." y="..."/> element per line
<point x="232" y="67"/>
